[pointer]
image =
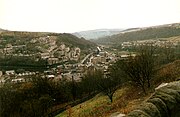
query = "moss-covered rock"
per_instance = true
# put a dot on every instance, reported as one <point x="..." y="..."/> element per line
<point x="174" y="85"/>
<point x="138" y="113"/>
<point x="165" y="102"/>
<point x="150" y="109"/>
<point x="169" y="100"/>
<point x="160" y="105"/>
<point x="172" y="92"/>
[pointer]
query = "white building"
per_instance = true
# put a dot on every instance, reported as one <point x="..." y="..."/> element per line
<point x="10" y="72"/>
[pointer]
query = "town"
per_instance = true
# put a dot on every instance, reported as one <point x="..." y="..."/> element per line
<point x="64" y="62"/>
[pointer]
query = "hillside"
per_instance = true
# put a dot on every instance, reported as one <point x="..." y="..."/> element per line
<point x="95" y="34"/>
<point x="129" y="97"/>
<point x="2" y="30"/>
<point x="25" y="37"/>
<point x="74" y="41"/>
<point x="163" y="31"/>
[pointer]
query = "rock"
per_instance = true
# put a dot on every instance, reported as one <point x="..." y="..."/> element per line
<point x="117" y="114"/>
<point x="138" y="113"/>
<point x="161" y="85"/>
<point x="171" y="92"/>
<point x="175" y="86"/>
<point x="169" y="100"/>
<point x="150" y="109"/>
<point x="165" y="102"/>
<point x="160" y="105"/>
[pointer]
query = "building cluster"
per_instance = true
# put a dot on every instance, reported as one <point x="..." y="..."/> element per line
<point x="156" y="42"/>
<point x="98" y="59"/>
<point x="49" y="50"/>
<point x="10" y="76"/>
<point x="46" y="48"/>
<point x="61" y="54"/>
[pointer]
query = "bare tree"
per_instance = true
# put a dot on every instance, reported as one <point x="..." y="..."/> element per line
<point x="111" y="81"/>
<point x="96" y="80"/>
<point x="141" y="67"/>
<point x="108" y="87"/>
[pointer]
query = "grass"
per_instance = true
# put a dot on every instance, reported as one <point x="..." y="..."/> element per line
<point x="87" y="108"/>
<point x="100" y="105"/>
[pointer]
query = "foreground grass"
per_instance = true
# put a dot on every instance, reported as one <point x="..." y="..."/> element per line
<point x="123" y="101"/>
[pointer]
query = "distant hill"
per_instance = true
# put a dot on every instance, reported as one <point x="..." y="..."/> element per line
<point x="65" y="38"/>
<point x="2" y="30"/>
<point x="95" y="34"/>
<point x="23" y="34"/>
<point x="72" y="40"/>
<point x="163" y="31"/>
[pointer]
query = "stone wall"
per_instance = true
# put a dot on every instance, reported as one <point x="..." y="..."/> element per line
<point x="165" y="102"/>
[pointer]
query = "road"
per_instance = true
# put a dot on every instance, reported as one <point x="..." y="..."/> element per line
<point x="85" y="58"/>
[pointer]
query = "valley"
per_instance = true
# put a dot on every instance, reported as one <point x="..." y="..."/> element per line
<point x="60" y="74"/>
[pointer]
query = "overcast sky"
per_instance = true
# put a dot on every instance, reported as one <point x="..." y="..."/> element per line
<point x="78" y="15"/>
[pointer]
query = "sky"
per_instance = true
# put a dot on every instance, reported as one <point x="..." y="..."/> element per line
<point x="80" y="15"/>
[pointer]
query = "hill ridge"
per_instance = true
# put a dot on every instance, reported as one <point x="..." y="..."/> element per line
<point x="162" y="31"/>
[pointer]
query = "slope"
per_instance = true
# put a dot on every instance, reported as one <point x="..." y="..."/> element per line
<point x="65" y="38"/>
<point x="72" y="40"/>
<point x="163" y="31"/>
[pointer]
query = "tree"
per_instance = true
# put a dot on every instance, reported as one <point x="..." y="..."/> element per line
<point x="73" y="88"/>
<point x="141" y="67"/>
<point x="168" y="53"/>
<point x="89" y="82"/>
<point x="10" y="100"/>
<point x="109" y="83"/>
<point x="108" y="87"/>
